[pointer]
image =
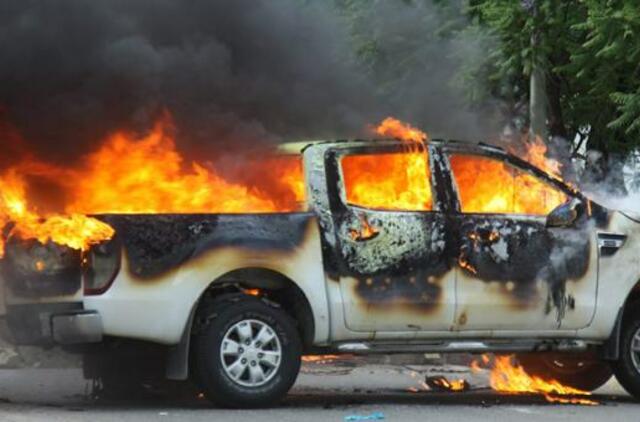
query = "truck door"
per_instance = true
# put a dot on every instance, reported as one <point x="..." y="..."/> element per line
<point x="390" y="249"/>
<point x="514" y="272"/>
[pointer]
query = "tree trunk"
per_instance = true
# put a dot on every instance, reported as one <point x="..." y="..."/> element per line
<point x="538" y="104"/>
<point x="555" y="118"/>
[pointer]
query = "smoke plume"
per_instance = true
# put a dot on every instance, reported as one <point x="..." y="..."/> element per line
<point x="231" y="72"/>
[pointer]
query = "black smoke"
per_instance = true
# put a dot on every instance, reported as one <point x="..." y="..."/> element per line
<point x="232" y="72"/>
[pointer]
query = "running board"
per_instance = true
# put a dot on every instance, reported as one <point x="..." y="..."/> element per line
<point x="462" y="346"/>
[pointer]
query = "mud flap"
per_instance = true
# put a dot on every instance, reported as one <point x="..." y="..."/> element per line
<point x="611" y="348"/>
<point x="177" y="367"/>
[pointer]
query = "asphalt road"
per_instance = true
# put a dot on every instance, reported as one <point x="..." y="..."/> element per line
<point x="324" y="392"/>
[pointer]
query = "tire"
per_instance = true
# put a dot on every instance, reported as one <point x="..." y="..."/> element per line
<point x="628" y="373"/>
<point x="225" y="378"/>
<point x="580" y="371"/>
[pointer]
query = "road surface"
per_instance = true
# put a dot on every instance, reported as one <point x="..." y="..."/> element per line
<point x="323" y="392"/>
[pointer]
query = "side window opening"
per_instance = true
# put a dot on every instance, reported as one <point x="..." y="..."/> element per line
<point x="486" y="185"/>
<point x="390" y="181"/>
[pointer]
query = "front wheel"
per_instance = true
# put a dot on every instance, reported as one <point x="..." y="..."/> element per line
<point x="627" y="367"/>
<point x="580" y="371"/>
<point x="248" y="353"/>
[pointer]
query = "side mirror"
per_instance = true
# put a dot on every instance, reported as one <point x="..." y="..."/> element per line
<point x="564" y="215"/>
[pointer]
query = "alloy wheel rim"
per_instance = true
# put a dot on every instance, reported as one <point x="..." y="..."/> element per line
<point x="251" y="353"/>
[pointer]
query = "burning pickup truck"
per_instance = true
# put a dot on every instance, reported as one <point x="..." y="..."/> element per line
<point x="438" y="246"/>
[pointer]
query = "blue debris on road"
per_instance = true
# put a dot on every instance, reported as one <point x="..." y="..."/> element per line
<point x="376" y="416"/>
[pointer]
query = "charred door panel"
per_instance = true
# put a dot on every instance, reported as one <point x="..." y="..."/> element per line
<point x="394" y="266"/>
<point x="504" y="249"/>
<point x="515" y="273"/>
<point x="33" y="270"/>
<point x="394" y="272"/>
<point x="156" y="244"/>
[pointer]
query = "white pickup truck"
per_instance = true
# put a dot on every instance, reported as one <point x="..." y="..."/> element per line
<point x="236" y="299"/>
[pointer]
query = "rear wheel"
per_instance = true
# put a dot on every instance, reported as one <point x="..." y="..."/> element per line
<point x="247" y="354"/>
<point x="580" y="371"/>
<point x="627" y="367"/>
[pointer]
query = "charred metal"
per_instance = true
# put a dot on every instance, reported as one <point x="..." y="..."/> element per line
<point x="407" y="253"/>
<point x="33" y="269"/>
<point x="155" y="244"/>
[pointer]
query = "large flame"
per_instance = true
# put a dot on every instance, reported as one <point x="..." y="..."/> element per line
<point x="489" y="186"/>
<point x="388" y="181"/>
<point x="129" y="174"/>
<point x="391" y="181"/>
<point x="148" y="175"/>
<point x="74" y="230"/>
<point x="508" y="377"/>
<point x="133" y="174"/>
<point x="401" y="181"/>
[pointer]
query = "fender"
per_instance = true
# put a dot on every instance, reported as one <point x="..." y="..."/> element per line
<point x="177" y="366"/>
<point x="611" y="348"/>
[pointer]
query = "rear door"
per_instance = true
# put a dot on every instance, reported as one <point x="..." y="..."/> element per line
<point x="391" y="246"/>
<point x="514" y="272"/>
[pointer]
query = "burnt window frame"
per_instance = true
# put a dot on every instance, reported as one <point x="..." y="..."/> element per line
<point x="335" y="184"/>
<point x="495" y="153"/>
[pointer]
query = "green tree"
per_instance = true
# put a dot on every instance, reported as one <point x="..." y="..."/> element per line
<point x="533" y="34"/>
<point x="607" y="66"/>
<point x="590" y="53"/>
<point x="587" y="51"/>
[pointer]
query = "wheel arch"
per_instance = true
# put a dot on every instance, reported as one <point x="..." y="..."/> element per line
<point x="274" y="287"/>
<point x="633" y="299"/>
<point x="611" y="348"/>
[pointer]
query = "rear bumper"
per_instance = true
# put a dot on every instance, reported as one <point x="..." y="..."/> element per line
<point x="77" y="328"/>
<point x="52" y="323"/>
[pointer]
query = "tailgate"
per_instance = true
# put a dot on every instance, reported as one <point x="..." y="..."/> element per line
<point x="40" y="293"/>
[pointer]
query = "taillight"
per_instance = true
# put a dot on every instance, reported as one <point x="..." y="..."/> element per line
<point x="33" y="269"/>
<point x="101" y="267"/>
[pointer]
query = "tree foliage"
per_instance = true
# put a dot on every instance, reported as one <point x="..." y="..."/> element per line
<point x="608" y="65"/>
<point x="589" y="51"/>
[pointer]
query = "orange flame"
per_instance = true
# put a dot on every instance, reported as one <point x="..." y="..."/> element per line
<point x="391" y="181"/>
<point x="130" y="174"/>
<point x="450" y="385"/>
<point x="252" y="292"/>
<point x="462" y="261"/>
<point x="365" y="231"/>
<point x="537" y="155"/>
<point x="148" y="175"/>
<point x="320" y="359"/>
<point x="388" y="181"/>
<point x="507" y="377"/>
<point x="487" y="185"/>
<point x="75" y="230"/>
<point x="133" y="174"/>
<point x="401" y="181"/>
<point x="394" y="128"/>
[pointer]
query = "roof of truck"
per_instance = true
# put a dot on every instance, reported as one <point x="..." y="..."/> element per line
<point x="298" y="147"/>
